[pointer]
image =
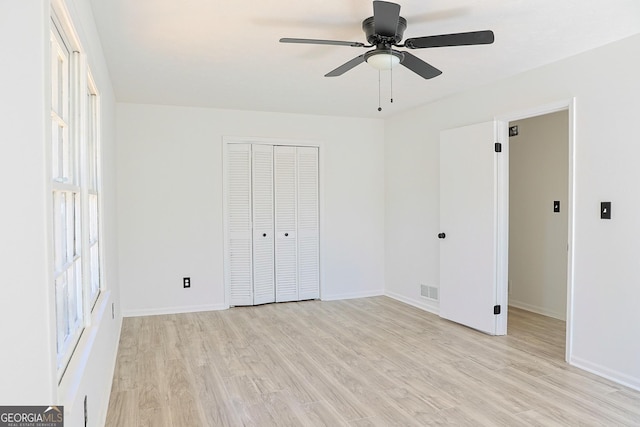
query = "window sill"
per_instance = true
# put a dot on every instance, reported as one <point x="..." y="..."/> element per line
<point x="74" y="375"/>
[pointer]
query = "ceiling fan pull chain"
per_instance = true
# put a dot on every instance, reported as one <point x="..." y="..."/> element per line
<point x="379" y="107"/>
<point x="391" y="69"/>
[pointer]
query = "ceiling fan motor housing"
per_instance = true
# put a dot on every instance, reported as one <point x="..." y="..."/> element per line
<point x="368" y="26"/>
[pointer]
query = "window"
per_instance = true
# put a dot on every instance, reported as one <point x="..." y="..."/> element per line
<point x="91" y="142"/>
<point x="75" y="192"/>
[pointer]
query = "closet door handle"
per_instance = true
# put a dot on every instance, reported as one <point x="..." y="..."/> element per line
<point x="264" y="234"/>
<point x="286" y="234"/>
<point x="441" y="235"/>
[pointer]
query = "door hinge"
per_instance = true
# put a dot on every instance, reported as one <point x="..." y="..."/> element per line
<point x="496" y="309"/>
<point x="498" y="147"/>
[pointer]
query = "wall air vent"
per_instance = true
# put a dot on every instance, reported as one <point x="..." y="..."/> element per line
<point x="430" y="292"/>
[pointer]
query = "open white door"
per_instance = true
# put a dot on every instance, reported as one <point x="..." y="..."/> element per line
<point x="471" y="229"/>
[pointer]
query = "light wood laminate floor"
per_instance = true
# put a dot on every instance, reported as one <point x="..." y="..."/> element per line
<point x="363" y="362"/>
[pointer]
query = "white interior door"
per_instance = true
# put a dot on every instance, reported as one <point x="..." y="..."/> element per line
<point x="263" y="241"/>
<point x="238" y="250"/>
<point x="308" y="224"/>
<point x="469" y="221"/>
<point x="286" y="265"/>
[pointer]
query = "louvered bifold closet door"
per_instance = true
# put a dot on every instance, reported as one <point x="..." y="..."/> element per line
<point x="263" y="243"/>
<point x="308" y="223"/>
<point x="285" y="223"/>
<point x="238" y="251"/>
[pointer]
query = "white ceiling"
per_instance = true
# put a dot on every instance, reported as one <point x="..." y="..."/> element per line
<point x="226" y="54"/>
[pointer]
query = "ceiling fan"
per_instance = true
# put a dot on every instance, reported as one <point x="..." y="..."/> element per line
<point x="384" y="31"/>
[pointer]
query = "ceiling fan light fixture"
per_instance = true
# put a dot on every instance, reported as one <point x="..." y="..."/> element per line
<point x="383" y="60"/>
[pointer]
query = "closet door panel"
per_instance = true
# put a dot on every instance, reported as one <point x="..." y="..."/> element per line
<point x="308" y="223"/>
<point x="238" y="240"/>
<point x="285" y="224"/>
<point x="263" y="242"/>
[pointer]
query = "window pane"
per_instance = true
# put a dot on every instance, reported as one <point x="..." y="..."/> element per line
<point x="55" y="149"/>
<point x="59" y="75"/>
<point x="60" y="84"/>
<point x="65" y="157"/>
<point x="75" y="297"/>
<point x="55" y="80"/>
<point x="88" y="140"/>
<point x="61" y="311"/>
<point x="93" y="217"/>
<point x="58" y="230"/>
<point x="77" y="221"/>
<point x="92" y="139"/>
<point x="71" y="298"/>
<point x="95" y="271"/>
<point x="69" y="227"/>
<point x="64" y="227"/>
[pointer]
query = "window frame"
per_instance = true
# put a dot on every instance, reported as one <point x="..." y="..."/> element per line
<point x="93" y="188"/>
<point x="75" y="177"/>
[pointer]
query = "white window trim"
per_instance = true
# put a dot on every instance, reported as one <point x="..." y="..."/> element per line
<point x="80" y="85"/>
<point x="65" y="183"/>
<point x="91" y="88"/>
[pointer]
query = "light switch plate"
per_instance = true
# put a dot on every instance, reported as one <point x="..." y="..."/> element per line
<point x="605" y="210"/>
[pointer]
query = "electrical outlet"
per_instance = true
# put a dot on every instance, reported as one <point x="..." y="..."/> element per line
<point x="186" y="282"/>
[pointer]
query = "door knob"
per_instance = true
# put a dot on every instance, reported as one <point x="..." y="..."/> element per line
<point x="264" y="234"/>
<point x="441" y="235"/>
<point x="286" y="234"/>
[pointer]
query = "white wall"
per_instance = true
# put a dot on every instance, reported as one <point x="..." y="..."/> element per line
<point x="27" y="309"/>
<point x="606" y="293"/>
<point x="538" y="176"/>
<point x="170" y="202"/>
<point x="28" y="348"/>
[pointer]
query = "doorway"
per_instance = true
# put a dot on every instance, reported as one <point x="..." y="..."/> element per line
<point x="540" y="213"/>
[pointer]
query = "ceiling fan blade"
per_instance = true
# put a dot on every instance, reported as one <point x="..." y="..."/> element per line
<point x="346" y="66"/>
<point x="456" y="39"/>
<point x="385" y="18"/>
<point x="419" y="67"/>
<point x="317" y="41"/>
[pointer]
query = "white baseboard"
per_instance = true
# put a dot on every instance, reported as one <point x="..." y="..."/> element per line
<point x="352" y="295"/>
<point x="173" y="310"/>
<point x="535" y="309"/>
<point x="610" y="374"/>
<point x="426" y="305"/>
